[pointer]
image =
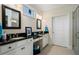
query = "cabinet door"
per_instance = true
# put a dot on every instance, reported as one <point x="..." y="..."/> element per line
<point x="6" y="48"/>
<point x="45" y="40"/>
<point x="26" y="49"/>
<point x="30" y="46"/>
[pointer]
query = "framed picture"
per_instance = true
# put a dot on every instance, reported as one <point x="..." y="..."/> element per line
<point x="11" y="18"/>
<point x="28" y="31"/>
<point x="28" y="12"/>
<point x="39" y="23"/>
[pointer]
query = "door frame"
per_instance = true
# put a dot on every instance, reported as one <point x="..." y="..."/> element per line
<point x="73" y="26"/>
<point x="77" y="52"/>
<point x="73" y="30"/>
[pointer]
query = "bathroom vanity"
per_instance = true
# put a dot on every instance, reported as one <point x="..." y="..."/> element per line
<point x="17" y="46"/>
<point x="22" y="45"/>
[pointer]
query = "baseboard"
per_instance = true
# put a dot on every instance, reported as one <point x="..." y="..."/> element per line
<point x="44" y="47"/>
<point x="59" y="45"/>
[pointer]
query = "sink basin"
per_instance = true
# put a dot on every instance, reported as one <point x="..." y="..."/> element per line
<point x="17" y="38"/>
<point x="40" y="35"/>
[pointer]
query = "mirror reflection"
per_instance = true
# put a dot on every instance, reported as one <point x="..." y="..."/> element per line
<point x="11" y="18"/>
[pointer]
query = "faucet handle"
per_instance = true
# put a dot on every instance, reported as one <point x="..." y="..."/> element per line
<point x="16" y="35"/>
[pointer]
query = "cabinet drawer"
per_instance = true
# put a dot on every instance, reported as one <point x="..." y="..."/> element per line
<point x="21" y="50"/>
<point x="20" y="43"/>
<point x="46" y="36"/>
<point x="8" y="47"/>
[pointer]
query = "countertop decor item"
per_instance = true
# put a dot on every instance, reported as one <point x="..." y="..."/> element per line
<point x="11" y="18"/>
<point x="28" y="31"/>
<point x="0" y="30"/>
<point x="46" y="28"/>
<point x="1" y="33"/>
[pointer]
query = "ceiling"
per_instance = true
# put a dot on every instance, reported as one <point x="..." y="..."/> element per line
<point x="48" y="7"/>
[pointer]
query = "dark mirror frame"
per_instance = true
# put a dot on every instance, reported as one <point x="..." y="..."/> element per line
<point x="38" y="24"/>
<point x="4" y="20"/>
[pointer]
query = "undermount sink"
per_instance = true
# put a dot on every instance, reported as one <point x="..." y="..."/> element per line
<point x="17" y="38"/>
<point x="40" y="35"/>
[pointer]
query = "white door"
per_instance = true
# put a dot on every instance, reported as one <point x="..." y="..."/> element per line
<point x="60" y="30"/>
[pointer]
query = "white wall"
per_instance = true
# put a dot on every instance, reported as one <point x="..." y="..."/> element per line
<point x="25" y="20"/>
<point x="47" y="18"/>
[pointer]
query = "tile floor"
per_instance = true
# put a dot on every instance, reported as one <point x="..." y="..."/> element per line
<point x="56" y="50"/>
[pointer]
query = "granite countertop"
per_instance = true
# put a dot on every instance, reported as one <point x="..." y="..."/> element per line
<point x="46" y="32"/>
<point x="15" y="40"/>
<point x="40" y="35"/>
<point x="12" y="40"/>
<point x="37" y="37"/>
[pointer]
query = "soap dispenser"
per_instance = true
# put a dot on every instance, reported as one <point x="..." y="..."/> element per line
<point x="1" y="32"/>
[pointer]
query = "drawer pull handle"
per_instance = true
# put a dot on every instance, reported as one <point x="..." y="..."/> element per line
<point x="22" y="48"/>
<point x="9" y="47"/>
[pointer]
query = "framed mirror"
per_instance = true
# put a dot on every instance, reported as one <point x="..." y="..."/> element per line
<point x="11" y="18"/>
<point x="39" y="23"/>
